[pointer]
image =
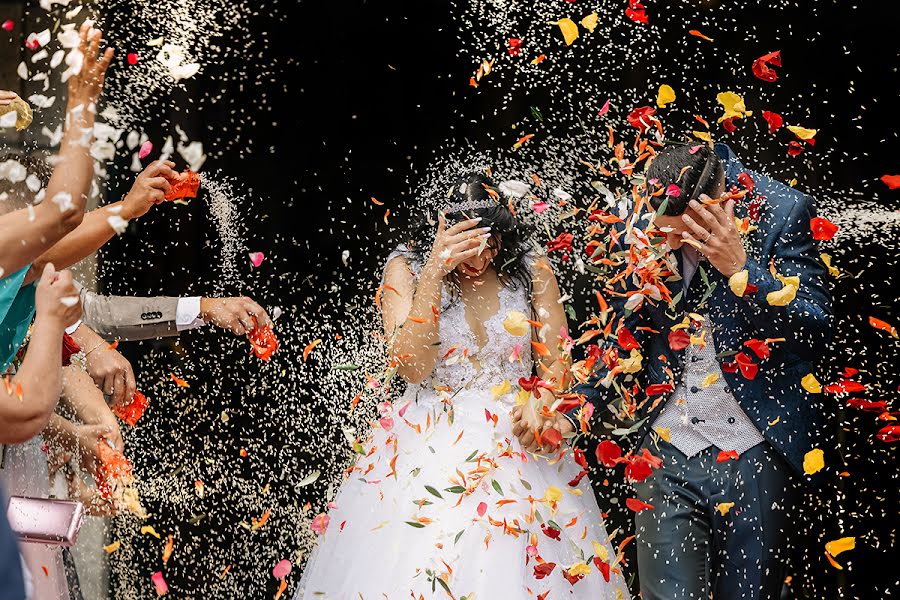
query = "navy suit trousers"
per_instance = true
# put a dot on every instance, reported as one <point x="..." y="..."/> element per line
<point x="688" y="550"/>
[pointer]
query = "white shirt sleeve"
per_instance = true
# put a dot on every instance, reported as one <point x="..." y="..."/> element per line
<point x="72" y="328"/>
<point x="187" y="314"/>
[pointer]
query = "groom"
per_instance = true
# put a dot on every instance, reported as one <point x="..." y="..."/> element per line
<point x="725" y="498"/>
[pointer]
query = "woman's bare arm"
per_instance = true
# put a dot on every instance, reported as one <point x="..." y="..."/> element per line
<point x="26" y="234"/>
<point x="549" y="311"/>
<point x="410" y="308"/>
<point x="412" y="330"/>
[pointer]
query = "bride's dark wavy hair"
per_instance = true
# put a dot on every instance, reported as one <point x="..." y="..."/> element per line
<point x="510" y="236"/>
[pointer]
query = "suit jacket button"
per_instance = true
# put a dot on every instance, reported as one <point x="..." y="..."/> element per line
<point x="727" y="390"/>
<point x="695" y="420"/>
<point x="694" y="389"/>
<point x="731" y="420"/>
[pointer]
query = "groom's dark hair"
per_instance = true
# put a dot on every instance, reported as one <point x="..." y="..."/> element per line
<point x="702" y="172"/>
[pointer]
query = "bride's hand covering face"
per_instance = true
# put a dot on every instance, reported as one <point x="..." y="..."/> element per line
<point x="460" y="245"/>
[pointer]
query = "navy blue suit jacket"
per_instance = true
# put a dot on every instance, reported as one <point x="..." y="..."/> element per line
<point x="791" y="419"/>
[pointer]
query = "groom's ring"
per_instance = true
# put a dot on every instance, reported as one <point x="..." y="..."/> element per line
<point x="708" y="235"/>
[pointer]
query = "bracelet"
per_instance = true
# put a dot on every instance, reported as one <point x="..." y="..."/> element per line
<point x="94" y="348"/>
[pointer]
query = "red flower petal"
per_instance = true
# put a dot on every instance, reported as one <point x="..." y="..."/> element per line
<point x="580" y="459"/>
<point x="608" y="453"/>
<point x="748" y="368"/>
<point x="726" y="455"/>
<point x="552" y="437"/>
<point x="867" y="405"/>
<point x="794" y="148"/>
<point x="822" y="229"/>
<point x="657" y="389"/>
<point x="642" y="118"/>
<point x="636" y="12"/>
<point x="550" y="532"/>
<point x="637" y="506"/>
<point x="762" y="69"/>
<point x="626" y="340"/>
<point x="542" y="570"/>
<point x="892" y="181"/>
<point x="679" y="340"/>
<point x="773" y="119"/>
<point x="561" y="242"/>
<point x="745" y="180"/>
<point x="845" y="386"/>
<point x="759" y="348"/>
<point x="263" y="342"/>
<point x="889" y="434"/>
<point x="603" y="567"/>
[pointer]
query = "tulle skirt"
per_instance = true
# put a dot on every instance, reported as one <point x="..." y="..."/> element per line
<point x="443" y="500"/>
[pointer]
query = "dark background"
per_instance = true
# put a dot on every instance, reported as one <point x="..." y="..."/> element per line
<point x="363" y="96"/>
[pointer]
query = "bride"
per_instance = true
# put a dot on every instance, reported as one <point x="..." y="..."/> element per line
<point x="444" y="501"/>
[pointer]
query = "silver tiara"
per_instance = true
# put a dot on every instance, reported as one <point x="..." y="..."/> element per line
<point x="510" y="189"/>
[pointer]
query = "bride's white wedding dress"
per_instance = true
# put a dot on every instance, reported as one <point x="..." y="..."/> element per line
<point x="445" y="492"/>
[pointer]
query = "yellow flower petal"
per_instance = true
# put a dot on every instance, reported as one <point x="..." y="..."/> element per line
<point x="813" y="461"/>
<point x="811" y="384"/>
<point x="738" y="282"/>
<point x="149" y="529"/>
<point x="569" y="30"/>
<point x="600" y="551"/>
<point x="553" y="494"/>
<point x="835" y="547"/>
<point x="724" y="507"/>
<point x="579" y="569"/>
<point x="516" y="323"/>
<point x="664" y="433"/>
<point x="632" y="364"/>
<point x="522" y="397"/>
<point x="782" y="297"/>
<point x="699" y="340"/>
<point x="501" y="389"/>
<point x="590" y="22"/>
<point x="826" y="260"/>
<point x="709" y="380"/>
<point x="112" y="547"/>
<point x="702" y="135"/>
<point x="793" y="280"/>
<point x="802" y="132"/>
<point x="734" y="106"/>
<point x="665" y="95"/>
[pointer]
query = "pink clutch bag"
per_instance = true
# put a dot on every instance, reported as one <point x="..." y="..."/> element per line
<point x="45" y="520"/>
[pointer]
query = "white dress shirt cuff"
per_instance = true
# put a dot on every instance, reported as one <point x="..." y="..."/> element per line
<point x="71" y="329"/>
<point x="187" y="314"/>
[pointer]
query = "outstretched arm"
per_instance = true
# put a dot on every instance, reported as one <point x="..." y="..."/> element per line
<point x="140" y="318"/>
<point x="26" y="234"/>
<point x="149" y="188"/>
